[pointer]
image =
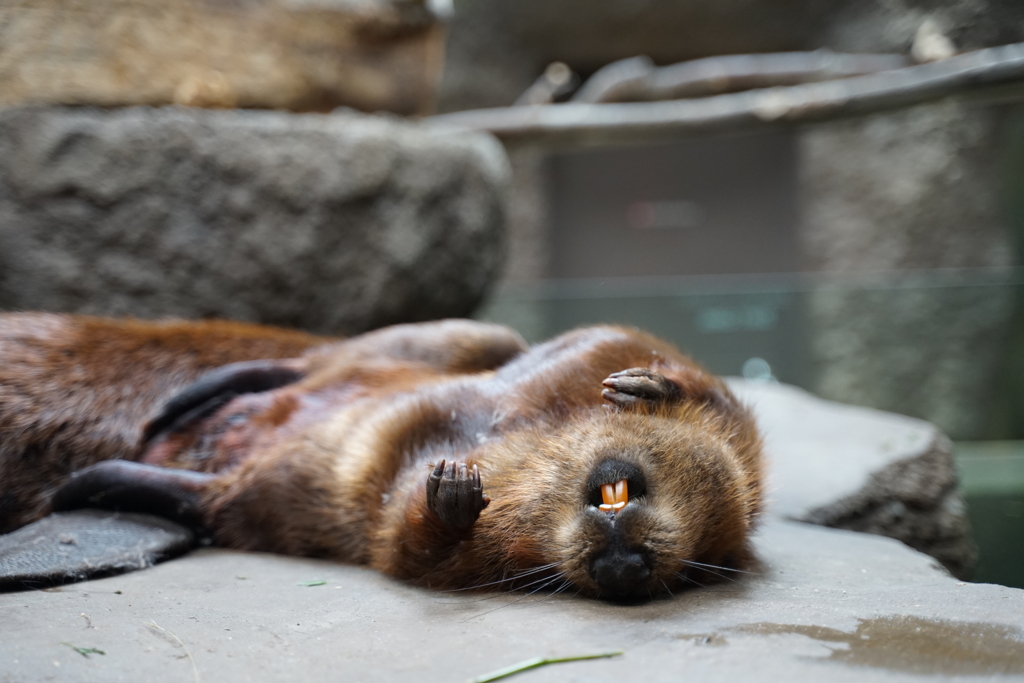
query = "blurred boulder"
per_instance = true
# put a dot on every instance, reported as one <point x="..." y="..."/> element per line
<point x="281" y="54"/>
<point x="863" y="470"/>
<point x="332" y="223"/>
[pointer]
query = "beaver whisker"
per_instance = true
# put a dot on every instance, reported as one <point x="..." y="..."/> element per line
<point x="506" y="579"/>
<point x="711" y="569"/>
<point x="719" y="576"/>
<point x="565" y="584"/>
<point x="551" y="580"/>
<point x="684" y="577"/>
<point x="559" y="576"/>
<point x="714" y="566"/>
<point x="512" y="590"/>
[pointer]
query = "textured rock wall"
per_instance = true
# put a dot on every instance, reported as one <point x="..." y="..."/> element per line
<point x="335" y="223"/>
<point x="919" y="188"/>
<point x="909" y="191"/>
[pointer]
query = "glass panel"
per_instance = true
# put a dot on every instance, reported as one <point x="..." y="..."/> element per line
<point x="943" y="345"/>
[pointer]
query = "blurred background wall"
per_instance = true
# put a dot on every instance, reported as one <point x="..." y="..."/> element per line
<point x="874" y="260"/>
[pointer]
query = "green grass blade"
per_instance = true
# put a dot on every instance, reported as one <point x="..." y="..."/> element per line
<point x="539" y="661"/>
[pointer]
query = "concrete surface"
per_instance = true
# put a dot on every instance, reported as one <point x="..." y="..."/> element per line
<point x="861" y="469"/>
<point x="333" y="223"/>
<point x="827" y="605"/>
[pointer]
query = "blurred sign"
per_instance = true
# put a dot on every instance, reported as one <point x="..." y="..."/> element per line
<point x="710" y="205"/>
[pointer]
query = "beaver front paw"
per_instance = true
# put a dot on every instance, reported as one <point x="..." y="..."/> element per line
<point x="637" y="387"/>
<point x="456" y="495"/>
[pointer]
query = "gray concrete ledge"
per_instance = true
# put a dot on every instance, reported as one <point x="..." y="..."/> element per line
<point x="861" y="469"/>
<point x="826" y="605"/>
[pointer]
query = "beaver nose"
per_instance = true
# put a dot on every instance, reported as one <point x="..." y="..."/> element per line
<point x="620" y="572"/>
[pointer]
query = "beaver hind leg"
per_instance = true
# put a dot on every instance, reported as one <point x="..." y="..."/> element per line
<point x="134" y="487"/>
<point x="218" y="387"/>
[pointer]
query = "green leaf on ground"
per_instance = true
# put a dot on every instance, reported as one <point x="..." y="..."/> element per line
<point x="539" y="661"/>
<point x="85" y="651"/>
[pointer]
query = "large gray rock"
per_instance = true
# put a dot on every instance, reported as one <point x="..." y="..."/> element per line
<point x="911" y="347"/>
<point x="332" y="223"/>
<point x="913" y="190"/>
<point x="861" y="469"/>
<point x="826" y="605"/>
<point x="918" y="188"/>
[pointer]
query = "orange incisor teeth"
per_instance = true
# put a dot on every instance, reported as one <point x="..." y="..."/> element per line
<point x="615" y="496"/>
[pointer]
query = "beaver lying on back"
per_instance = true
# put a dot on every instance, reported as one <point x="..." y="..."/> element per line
<point x="443" y="453"/>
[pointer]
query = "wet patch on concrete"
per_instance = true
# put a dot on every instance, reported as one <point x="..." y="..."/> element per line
<point x="907" y="644"/>
<point x="712" y="639"/>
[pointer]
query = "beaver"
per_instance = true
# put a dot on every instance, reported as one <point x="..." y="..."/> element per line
<point x="445" y="453"/>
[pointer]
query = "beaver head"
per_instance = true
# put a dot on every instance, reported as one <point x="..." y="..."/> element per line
<point x="627" y="506"/>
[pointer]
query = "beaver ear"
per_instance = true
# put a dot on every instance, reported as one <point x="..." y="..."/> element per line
<point x="134" y="487"/>
<point x="217" y="387"/>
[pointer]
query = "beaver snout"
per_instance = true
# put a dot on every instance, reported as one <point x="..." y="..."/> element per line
<point x="619" y="572"/>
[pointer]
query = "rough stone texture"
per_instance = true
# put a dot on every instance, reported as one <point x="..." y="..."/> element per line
<point x="913" y="190"/>
<point x="861" y="469"/>
<point x="285" y="54"/>
<point x="528" y="217"/>
<point x="86" y="543"/>
<point x="917" y="188"/>
<point x="826" y="605"/>
<point x="928" y="351"/>
<point x="333" y="223"/>
<point x="496" y="49"/>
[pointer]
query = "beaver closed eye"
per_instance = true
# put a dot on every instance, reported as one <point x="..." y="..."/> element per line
<point x="442" y="453"/>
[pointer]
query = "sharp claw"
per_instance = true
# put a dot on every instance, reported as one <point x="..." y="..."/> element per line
<point x="455" y="493"/>
<point x="618" y="397"/>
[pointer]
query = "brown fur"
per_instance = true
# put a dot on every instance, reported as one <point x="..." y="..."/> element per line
<point x="335" y="465"/>
<point x="75" y="390"/>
